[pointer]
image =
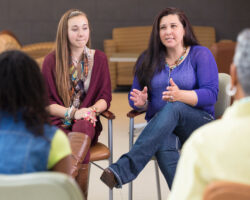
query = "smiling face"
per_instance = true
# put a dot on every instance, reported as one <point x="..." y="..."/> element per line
<point x="171" y="31"/>
<point x="78" y="31"/>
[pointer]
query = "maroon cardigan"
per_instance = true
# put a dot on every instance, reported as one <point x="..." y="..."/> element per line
<point x="99" y="87"/>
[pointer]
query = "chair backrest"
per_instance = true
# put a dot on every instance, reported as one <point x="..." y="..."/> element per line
<point x="224" y="99"/>
<point x="223" y="190"/>
<point x="8" y="41"/>
<point x="131" y="39"/>
<point x="223" y="52"/>
<point x="39" y="186"/>
<point x="134" y="39"/>
<point x="205" y="35"/>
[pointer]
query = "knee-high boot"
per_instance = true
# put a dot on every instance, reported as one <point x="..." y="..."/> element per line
<point x="83" y="179"/>
<point x="80" y="144"/>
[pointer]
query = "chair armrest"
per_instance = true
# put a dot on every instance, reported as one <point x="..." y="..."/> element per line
<point x="108" y="115"/>
<point x="134" y="113"/>
<point x="225" y="190"/>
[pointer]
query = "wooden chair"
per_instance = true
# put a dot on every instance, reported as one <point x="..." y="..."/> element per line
<point x="101" y="151"/>
<point x="222" y="103"/>
<point x="8" y="41"/>
<point x="223" y="52"/>
<point x="224" y="190"/>
<point x="39" y="186"/>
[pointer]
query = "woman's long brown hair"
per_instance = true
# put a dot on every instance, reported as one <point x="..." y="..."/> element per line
<point x="62" y="52"/>
<point x="155" y="54"/>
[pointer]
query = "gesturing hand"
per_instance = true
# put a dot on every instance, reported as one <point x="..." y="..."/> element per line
<point x="139" y="97"/>
<point x="173" y="92"/>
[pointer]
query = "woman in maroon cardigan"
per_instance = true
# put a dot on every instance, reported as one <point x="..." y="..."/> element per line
<point x="79" y="88"/>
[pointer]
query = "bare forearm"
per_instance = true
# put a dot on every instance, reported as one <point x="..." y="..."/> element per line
<point x="57" y="110"/>
<point x="189" y="97"/>
<point x="100" y="105"/>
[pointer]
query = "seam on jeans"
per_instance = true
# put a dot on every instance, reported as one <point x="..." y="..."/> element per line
<point x="117" y="177"/>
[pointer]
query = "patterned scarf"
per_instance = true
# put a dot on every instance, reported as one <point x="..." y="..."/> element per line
<point x="78" y="74"/>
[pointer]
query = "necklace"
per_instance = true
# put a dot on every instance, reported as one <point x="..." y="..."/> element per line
<point x="177" y="62"/>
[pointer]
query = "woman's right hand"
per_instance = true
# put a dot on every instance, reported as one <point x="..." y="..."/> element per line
<point x="139" y="97"/>
<point x="86" y="114"/>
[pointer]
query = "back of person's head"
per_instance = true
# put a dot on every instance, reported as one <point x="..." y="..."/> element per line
<point x="242" y="60"/>
<point x="22" y="90"/>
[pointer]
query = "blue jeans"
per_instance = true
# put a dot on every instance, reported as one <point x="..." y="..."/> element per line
<point x="159" y="139"/>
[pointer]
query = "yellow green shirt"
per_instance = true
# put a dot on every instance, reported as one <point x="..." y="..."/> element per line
<point x="219" y="150"/>
<point x="60" y="148"/>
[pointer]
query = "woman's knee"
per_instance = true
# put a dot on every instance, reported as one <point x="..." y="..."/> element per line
<point x="174" y="107"/>
<point x="84" y="126"/>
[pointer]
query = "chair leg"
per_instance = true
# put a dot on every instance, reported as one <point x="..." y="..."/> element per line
<point x="110" y="143"/>
<point x="157" y="180"/>
<point x="131" y="141"/>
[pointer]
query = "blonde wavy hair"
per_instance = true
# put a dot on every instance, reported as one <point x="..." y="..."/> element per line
<point x="62" y="52"/>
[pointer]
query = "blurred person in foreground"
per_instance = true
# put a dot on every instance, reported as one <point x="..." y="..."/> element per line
<point x="28" y="143"/>
<point x="220" y="150"/>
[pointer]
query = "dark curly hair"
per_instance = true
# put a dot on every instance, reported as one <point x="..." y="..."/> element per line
<point x="22" y="90"/>
<point x="155" y="54"/>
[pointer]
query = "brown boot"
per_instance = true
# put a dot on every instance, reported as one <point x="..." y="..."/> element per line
<point x="109" y="178"/>
<point x="83" y="179"/>
<point x="80" y="144"/>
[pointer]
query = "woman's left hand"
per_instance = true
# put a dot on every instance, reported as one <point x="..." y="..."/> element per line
<point x="173" y="92"/>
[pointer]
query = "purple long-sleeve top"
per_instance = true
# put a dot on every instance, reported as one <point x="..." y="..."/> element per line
<point x="197" y="72"/>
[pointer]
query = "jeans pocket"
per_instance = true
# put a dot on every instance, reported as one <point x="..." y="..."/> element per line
<point x="208" y="117"/>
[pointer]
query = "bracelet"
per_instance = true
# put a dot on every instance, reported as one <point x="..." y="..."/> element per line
<point x="72" y="111"/>
<point x="67" y="120"/>
<point x="69" y="115"/>
<point x="94" y="109"/>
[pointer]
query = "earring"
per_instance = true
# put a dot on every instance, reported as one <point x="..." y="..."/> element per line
<point x="229" y="91"/>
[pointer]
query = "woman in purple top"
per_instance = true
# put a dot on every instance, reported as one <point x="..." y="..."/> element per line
<point x="176" y="82"/>
<point x="79" y="88"/>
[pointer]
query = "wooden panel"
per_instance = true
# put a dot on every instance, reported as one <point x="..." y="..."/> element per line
<point x="132" y="39"/>
<point x="125" y="73"/>
<point x="205" y="35"/>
